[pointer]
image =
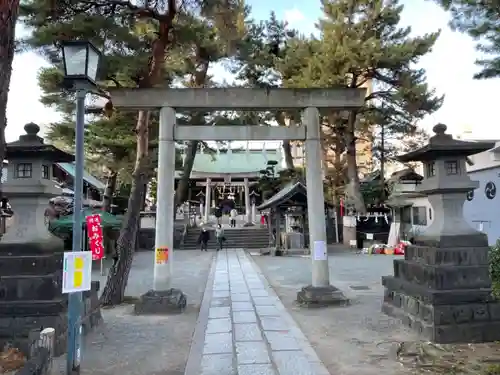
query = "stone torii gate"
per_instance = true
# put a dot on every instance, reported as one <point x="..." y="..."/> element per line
<point x="169" y="100"/>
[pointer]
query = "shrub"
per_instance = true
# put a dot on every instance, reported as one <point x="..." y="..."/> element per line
<point x="495" y="269"/>
<point x="492" y="370"/>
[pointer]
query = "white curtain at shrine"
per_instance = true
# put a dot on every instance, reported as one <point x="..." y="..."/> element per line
<point x="264" y="152"/>
<point x="247" y="153"/>
<point x="183" y="154"/>
<point x="279" y="152"/>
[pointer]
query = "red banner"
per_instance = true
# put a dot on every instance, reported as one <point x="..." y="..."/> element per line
<point x="94" y="231"/>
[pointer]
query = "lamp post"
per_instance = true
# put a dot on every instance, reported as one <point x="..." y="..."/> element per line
<point x="81" y="62"/>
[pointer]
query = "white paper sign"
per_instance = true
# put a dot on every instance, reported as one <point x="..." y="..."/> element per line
<point x="369" y="236"/>
<point x="349" y="221"/>
<point x="77" y="271"/>
<point x="353" y="242"/>
<point x="319" y="250"/>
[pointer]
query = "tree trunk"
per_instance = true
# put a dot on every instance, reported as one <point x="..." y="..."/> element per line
<point x="183" y="186"/>
<point x="143" y="203"/>
<point x="109" y="242"/>
<point x="338" y="180"/>
<point x="8" y="17"/>
<point x="198" y="80"/>
<point x="382" y="163"/>
<point x="114" y="291"/>
<point x="109" y="191"/>
<point x="355" y="197"/>
<point x="287" y="150"/>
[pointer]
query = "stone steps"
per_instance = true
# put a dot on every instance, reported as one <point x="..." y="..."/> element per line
<point x="246" y="238"/>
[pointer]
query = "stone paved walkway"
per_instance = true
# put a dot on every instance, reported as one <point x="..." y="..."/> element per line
<point x="244" y="329"/>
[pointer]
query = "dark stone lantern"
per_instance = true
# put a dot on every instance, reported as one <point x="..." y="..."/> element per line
<point x="442" y="287"/>
<point x="30" y="256"/>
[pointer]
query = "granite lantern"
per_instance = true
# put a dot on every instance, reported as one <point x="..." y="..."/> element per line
<point x="29" y="187"/>
<point x="442" y="288"/>
<point x="30" y="256"/>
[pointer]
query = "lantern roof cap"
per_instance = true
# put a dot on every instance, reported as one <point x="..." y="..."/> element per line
<point x="31" y="146"/>
<point x="444" y="145"/>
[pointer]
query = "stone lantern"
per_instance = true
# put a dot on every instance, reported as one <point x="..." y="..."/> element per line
<point x="30" y="256"/>
<point x="29" y="187"/>
<point x="442" y="288"/>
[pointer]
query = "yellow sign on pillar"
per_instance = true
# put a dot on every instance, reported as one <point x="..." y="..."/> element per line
<point x="77" y="271"/>
<point x="161" y="255"/>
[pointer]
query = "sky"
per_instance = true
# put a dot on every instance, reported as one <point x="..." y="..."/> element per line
<point x="470" y="105"/>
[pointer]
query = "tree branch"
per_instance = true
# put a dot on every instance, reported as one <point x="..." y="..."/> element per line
<point x="142" y="12"/>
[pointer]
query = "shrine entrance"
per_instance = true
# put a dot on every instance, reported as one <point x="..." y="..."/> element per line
<point x="245" y="99"/>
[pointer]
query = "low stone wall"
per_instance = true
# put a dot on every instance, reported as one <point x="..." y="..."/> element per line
<point x="91" y="318"/>
<point x="146" y="237"/>
<point x="21" y="327"/>
<point x="41" y="353"/>
<point x="43" y="349"/>
<point x="91" y="308"/>
<point x="39" y="364"/>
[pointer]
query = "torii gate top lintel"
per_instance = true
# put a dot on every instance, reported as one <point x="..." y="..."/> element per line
<point x="238" y="98"/>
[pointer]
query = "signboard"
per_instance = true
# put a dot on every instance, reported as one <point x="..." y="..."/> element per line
<point x="77" y="271"/>
<point x="94" y="232"/>
<point x="320" y="251"/>
<point x="161" y="255"/>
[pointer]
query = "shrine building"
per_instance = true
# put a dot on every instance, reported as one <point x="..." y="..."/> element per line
<point x="229" y="173"/>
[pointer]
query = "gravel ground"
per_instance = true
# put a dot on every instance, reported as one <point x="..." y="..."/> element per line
<point x="146" y="345"/>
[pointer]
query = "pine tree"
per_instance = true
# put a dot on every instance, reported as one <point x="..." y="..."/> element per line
<point x="480" y="20"/>
<point x="361" y="43"/>
<point x="144" y="46"/>
<point x="205" y="45"/>
<point x="260" y="60"/>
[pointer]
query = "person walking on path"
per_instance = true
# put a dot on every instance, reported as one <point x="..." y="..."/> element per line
<point x="219" y="235"/>
<point x="233" y="214"/>
<point x="203" y="239"/>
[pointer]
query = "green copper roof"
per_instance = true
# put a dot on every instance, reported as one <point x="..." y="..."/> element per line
<point x="239" y="161"/>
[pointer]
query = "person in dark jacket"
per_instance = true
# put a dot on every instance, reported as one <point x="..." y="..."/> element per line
<point x="203" y="239"/>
